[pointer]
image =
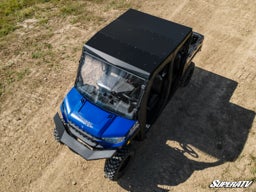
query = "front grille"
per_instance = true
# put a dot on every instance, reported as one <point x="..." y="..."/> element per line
<point x="83" y="136"/>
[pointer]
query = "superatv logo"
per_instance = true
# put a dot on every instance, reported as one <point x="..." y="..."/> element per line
<point x="230" y="184"/>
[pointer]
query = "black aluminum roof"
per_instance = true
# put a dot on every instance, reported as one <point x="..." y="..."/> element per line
<point x="141" y="41"/>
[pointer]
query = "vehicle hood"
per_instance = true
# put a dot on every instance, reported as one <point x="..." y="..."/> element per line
<point x="92" y="119"/>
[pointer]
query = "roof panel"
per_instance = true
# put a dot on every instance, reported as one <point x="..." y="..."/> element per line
<point x="133" y="56"/>
<point x="140" y="39"/>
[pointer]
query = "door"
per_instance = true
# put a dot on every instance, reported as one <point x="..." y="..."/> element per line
<point x="157" y="95"/>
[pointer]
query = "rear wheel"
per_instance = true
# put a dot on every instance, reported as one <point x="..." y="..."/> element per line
<point x="118" y="163"/>
<point x="187" y="75"/>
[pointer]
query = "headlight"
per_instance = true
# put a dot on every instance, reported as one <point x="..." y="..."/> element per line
<point x="113" y="139"/>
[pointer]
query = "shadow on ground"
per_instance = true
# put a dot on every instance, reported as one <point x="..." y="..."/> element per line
<point x="199" y="116"/>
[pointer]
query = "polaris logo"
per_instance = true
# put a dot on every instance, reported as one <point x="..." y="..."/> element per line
<point x="230" y="184"/>
<point x="87" y="123"/>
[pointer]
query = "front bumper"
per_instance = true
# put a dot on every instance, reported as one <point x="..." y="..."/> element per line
<point x="78" y="147"/>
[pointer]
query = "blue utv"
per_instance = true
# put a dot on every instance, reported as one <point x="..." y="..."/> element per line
<point x="127" y="73"/>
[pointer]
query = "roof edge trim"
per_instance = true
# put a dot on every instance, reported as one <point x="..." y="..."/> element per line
<point x="118" y="62"/>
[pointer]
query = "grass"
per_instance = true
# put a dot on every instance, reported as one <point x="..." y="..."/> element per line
<point x="253" y="158"/>
<point x="96" y="1"/>
<point x="14" y="11"/>
<point x="1" y="89"/>
<point x="80" y="12"/>
<point x="12" y="76"/>
<point x="118" y="4"/>
<point x="43" y="54"/>
<point x="41" y="50"/>
<point x="253" y="169"/>
<point x="71" y="8"/>
<point x="49" y="15"/>
<point x="23" y="73"/>
<point x="85" y="18"/>
<point x="37" y="55"/>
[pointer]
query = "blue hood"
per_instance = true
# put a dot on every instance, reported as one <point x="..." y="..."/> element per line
<point x="92" y="119"/>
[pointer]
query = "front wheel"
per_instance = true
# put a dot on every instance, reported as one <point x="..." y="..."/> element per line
<point x="117" y="164"/>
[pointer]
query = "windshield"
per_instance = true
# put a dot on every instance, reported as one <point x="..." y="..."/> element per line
<point x="109" y="87"/>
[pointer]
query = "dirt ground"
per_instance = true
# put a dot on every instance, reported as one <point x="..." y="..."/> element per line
<point x="181" y="152"/>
